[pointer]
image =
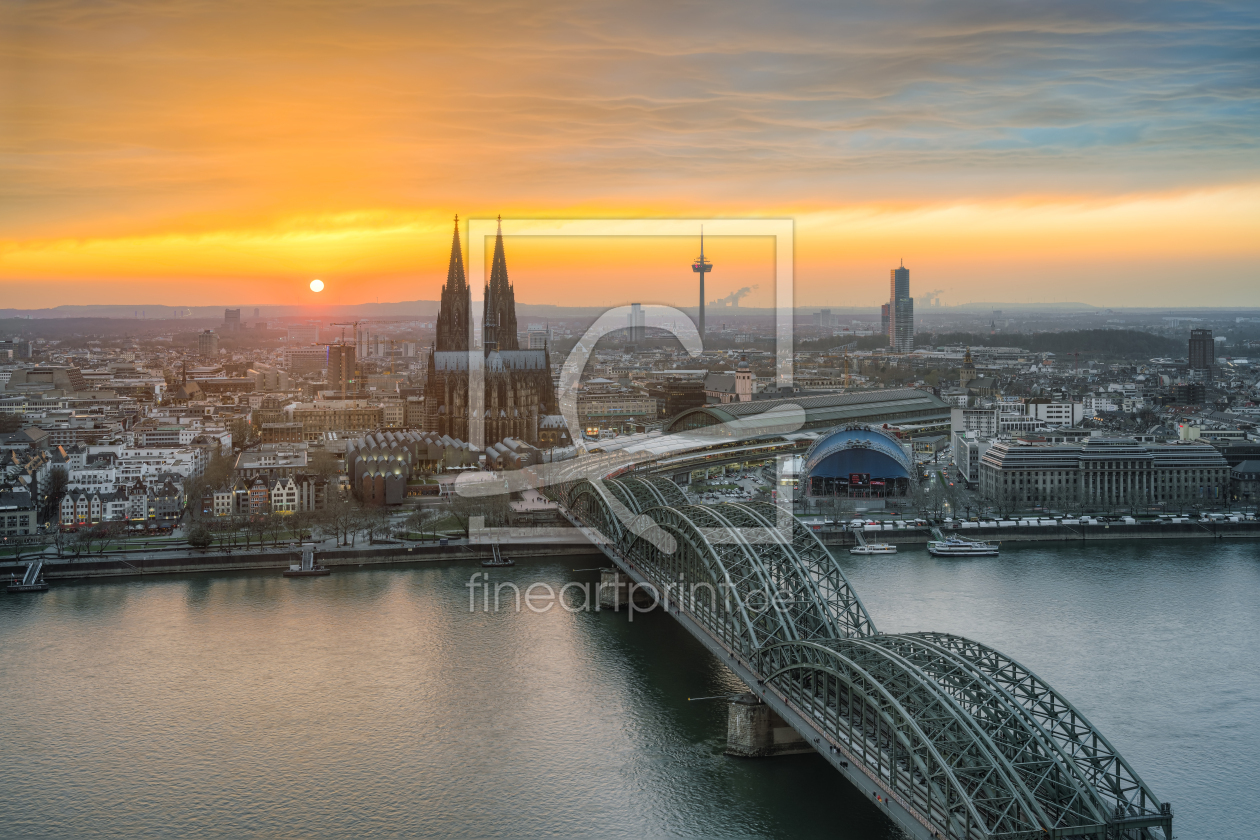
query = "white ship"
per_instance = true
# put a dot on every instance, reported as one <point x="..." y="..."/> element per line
<point x="863" y="547"/>
<point x="874" y="548"/>
<point x="957" y="547"/>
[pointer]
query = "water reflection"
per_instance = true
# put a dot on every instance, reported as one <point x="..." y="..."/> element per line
<point x="373" y="702"/>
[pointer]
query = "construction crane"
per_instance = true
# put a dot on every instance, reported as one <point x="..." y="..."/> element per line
<point x="343" y="325"/>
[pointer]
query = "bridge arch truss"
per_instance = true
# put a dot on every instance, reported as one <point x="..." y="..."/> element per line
<point x="964" y="740"/>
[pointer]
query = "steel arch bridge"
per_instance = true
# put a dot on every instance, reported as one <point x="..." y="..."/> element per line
<point x="952" y="738"/>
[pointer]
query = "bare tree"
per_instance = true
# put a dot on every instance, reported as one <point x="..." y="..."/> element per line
<point x="237" y="526"/>
<point x="258" y="526"/>
<point x="81" y="540"/>
<point x="111" y="532"/>
<point x="34" y="546"/>
<point x="841" y="508"/>
<point x="916" y="496"/>
<point x="495" y="509"/>
<point x="61" y="540"/>
<point x="297" y="523"/>
<point x="378" y="523"/>
<point x="195" y="488"/>
<point x="323" y="465"/>
<point x="276" y="525"/>
<point x="338" y="519"/>
<point x="421" y="517"/>
<point x="358" y="521"/>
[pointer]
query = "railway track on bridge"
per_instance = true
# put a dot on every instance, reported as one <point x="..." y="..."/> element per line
<point x="950" y="738"/>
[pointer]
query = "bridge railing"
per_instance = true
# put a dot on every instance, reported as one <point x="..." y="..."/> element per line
<point x="966" y="740"/>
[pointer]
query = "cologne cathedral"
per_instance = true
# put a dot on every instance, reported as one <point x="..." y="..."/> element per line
<point x="518" y="389"/>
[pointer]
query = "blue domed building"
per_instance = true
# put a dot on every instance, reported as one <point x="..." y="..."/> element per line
<point x="857" y="461"/>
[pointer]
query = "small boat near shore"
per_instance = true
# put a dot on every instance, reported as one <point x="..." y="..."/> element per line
<point x="958" y="547"/>
<point x="31" y="581"/>
<point x="498" y="559"/>
<point x="308" y="567"/>
<point x="314" y="571"/>
<point x="874" y="548"/>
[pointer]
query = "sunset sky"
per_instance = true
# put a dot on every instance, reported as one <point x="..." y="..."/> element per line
<point x="227" y="153"/>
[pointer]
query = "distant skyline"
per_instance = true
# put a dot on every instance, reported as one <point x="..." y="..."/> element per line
<point x="186" y="154"/>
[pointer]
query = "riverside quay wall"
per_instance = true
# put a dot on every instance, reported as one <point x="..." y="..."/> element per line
<point x="1141" y="530"/>
<point x="186" y="560"/>
<point x="167" y="561"/>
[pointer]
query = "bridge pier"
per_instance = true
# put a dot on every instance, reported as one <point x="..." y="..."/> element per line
<point x="754" y="730"/>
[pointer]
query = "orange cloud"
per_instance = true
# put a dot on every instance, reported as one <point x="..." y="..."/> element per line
<point x="232" y="151"/>
<point x="1000" y="250"/>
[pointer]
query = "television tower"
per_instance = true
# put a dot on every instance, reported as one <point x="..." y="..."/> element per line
<point x="702" y="267"/>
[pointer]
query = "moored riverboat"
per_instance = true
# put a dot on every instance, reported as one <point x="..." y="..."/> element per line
<point x="958" y="547"/>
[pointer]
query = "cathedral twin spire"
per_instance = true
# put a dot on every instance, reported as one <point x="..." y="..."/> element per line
<point x="499" y="307"/>
<point x="499" y="312"/>
<point x="456" y="306"/>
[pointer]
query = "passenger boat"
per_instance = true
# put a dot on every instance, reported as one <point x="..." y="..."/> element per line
<point x="958" y="547"/>
<point x="874" y="548"/>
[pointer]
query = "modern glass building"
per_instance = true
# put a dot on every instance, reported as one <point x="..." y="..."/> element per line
<point x="900" y="311"/>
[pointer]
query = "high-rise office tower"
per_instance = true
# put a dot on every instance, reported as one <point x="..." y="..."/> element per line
<point x="636" y="323"/>
<point x="341" y="370"/>
<point x="207" y="344"/>
<point x="1202" y="350"/>
<point x="231" y="320"/>
<point x="900" y="311"/>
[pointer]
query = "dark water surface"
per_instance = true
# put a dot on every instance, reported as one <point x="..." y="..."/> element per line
<point x="373" y="703"/>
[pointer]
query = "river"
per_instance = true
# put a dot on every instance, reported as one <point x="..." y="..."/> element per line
<point x="374" y="703"/>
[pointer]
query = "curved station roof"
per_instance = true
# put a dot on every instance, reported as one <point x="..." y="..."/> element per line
<point x="857" y="449"/>
<point x="901" y="406"/>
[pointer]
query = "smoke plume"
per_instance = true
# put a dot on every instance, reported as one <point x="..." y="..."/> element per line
<point x="733" y="298"/>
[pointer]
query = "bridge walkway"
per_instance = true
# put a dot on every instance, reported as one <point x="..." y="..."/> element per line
<point x="950" y="738"/>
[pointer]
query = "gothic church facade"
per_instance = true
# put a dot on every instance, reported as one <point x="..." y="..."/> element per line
<point x="518" y="391"/>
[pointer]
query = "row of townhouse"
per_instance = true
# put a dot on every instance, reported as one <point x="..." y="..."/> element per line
<point x="156" y="503"/>
<point x="265" y="494"/>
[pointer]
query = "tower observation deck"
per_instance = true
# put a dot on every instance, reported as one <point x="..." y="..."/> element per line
<point x="702" y="267"/>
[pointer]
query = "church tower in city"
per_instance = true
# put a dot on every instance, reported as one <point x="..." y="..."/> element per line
<point x="456" y="307"/>
<point x="498" y="323"/>
<point x="518" y="395"/>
